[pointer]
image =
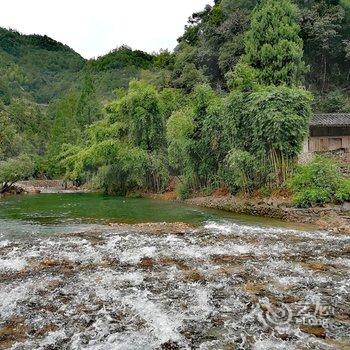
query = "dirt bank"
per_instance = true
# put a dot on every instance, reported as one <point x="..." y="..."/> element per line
<point x="335" y="218"/>
<point x="46" y="186"/>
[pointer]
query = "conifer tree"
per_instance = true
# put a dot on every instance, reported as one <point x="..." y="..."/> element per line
<point x="89" y="108"/>
<point x="65" y="129"/>
<point x="273" y="45"/>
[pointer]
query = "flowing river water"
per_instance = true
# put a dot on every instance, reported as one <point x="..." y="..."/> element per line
<point x="80" y="271"/>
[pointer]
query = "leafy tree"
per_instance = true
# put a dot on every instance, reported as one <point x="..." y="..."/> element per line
<point x="164" y="60"/>
<point x="196" y="137"/>
<point x="10" y="140"/>
<point x="272" y="123"/>
<point x="322" y="33"/>
<point x="241" y="171"/>
<point x="125" y="150"/>
<point x="13" y="170"/>
<point x="141" y="112"/>
<point x="333" y="102"/>
<point x="180" y="127"/>
<point x="171" y="100"/>
<point x="31" y="123"/>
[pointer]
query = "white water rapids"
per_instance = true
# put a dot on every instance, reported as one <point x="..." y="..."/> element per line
<point x="219" y="286"/>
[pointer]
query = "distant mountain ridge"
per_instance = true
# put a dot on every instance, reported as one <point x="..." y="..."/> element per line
<point x="12" y="42"/>
<point x="43" y="69"/>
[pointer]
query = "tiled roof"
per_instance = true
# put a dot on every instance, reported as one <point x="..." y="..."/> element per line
<point x="331" y="119"/>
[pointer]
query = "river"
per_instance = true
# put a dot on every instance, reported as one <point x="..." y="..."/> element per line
<point x="87" y="271"/>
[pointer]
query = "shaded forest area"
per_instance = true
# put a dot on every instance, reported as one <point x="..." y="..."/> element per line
<point x="229" y="107"/>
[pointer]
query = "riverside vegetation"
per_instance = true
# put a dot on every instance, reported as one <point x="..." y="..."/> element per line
<point x="230" y="107"/>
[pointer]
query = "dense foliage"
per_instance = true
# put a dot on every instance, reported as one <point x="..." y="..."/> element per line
<point x="319" y="182"/>
<point x="214" y="42"/>
<point x="273" y="45"/>
<point x="228" y="108"/>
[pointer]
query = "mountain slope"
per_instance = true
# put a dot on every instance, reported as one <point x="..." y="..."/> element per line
<point x="41" y="67"/>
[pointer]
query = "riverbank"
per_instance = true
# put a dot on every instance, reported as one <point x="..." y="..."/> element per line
<point x="335" y="218"/>
<point x="47" y="186"/>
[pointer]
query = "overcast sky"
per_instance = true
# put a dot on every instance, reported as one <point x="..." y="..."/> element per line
<point x="94" y="27"/>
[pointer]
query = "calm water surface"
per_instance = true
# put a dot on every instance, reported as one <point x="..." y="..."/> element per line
<point x="44" y="213"/>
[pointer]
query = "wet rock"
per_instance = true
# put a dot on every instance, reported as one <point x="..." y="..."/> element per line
<point x="193" y="276"/>
<point x="177" y="228"/>
<point x="170" y="261"/>
<point x="317" y="331"/>
<point x="316" y="266"/>
<point x="46" y="329"/>
<point x="231" y="259"/>
<point x="346" y="207"/>
<point x="146" y="263"/>
<point x="15" y="331"/>
<point x="170" y="346"/>
<point x="258" y="289"/>
<point x="290" y="299"/>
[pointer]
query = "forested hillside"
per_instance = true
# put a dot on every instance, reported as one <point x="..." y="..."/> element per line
<point x="36" y="66"/>
<point x="213" y="43"/>
<point x="49" y="93"/>
<point x="230" y="107"/>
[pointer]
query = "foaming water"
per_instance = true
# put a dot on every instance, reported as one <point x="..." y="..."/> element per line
<point x="217" y="285"/>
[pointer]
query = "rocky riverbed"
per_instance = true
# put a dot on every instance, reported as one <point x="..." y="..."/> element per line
<point x="220" y="285"/>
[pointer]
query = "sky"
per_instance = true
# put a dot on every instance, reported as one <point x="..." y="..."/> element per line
<point x="95" y="27"/>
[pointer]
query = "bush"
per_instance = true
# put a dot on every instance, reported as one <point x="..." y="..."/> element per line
<point x="316" y="183"/>
<point x="183" y="189"/>
<point x="311" y="197"/>
<point x="343" y="193"/>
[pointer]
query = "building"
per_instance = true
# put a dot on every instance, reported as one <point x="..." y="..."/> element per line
<point x="329" y="134"/>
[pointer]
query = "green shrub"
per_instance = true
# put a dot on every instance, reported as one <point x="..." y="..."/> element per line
<point x="183" y="189"/>
<point x="334" y="102"/>
<point x="316" y="182"/>
<point x="309" y="197"/>
<point x="343" y="193"/>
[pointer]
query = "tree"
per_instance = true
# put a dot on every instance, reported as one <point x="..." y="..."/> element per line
<point x="10" y="140"/>
<point x="197" y="137"/>
<point x="322" y="33"/>
<point x="141" y="113"/>
<point x="125" y="150"/>
<point x="272" y="123"/>
<point x="15" y="169"/>
<point x="89" y="108"/>
<point x="273" y="45"/>
<point x="65" y="129"/>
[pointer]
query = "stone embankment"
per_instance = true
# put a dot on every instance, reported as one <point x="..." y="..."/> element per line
<point x="334" y="218"/>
